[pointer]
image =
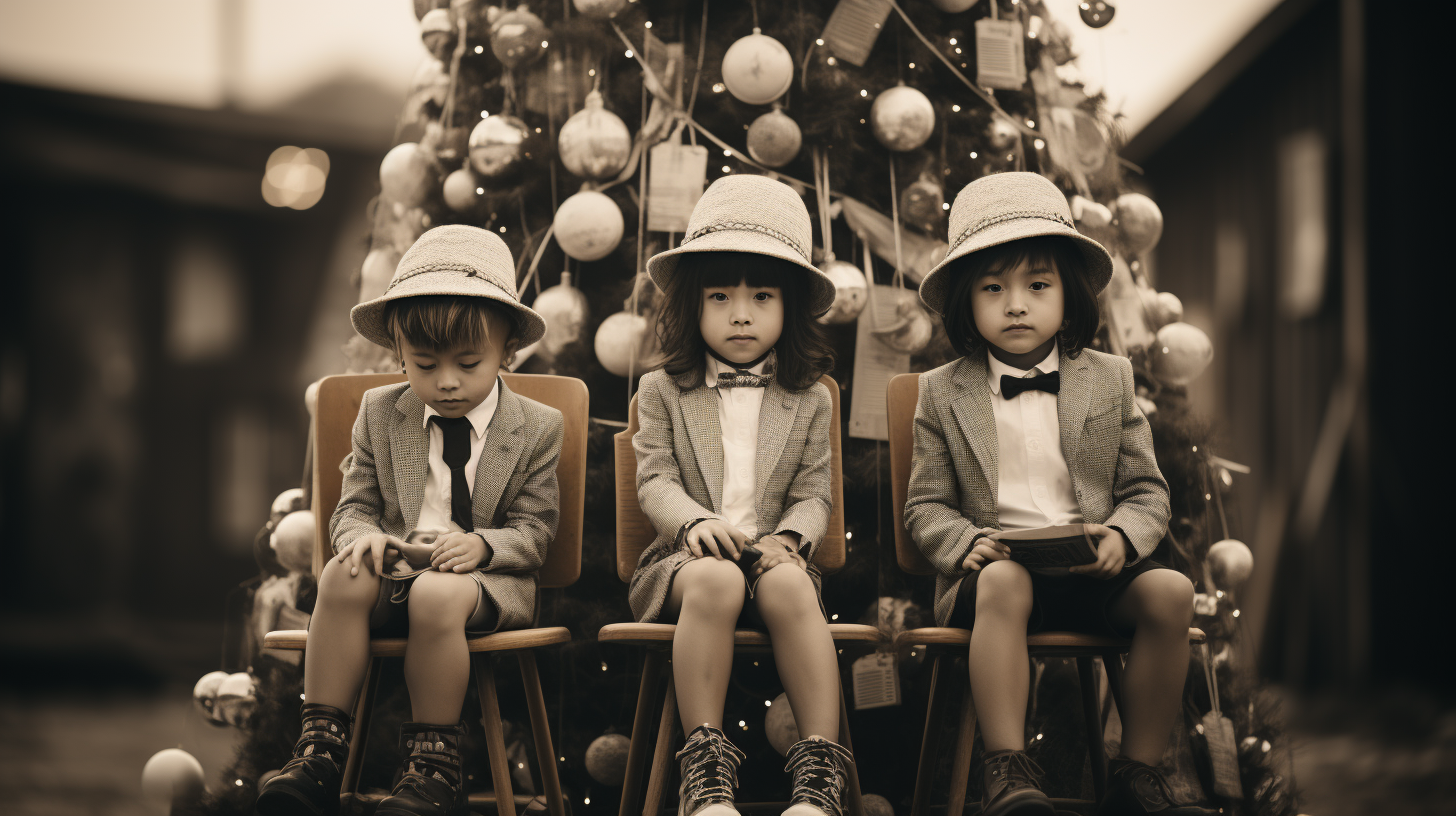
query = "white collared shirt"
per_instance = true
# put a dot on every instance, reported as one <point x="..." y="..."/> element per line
<point x="738" y="416"/>
<point x="435" y="510"/>
<point x="1034" y="488"/>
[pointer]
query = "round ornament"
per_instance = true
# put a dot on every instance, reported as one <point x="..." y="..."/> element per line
<point x="517" y="37"/>
<point x="594" y="143"/>
<point x="912" y="328"/>
<point x="461" y="191"/>
<point x="235" y="700"/>
<point x="616" y="340"/>
<point x="377" y="272"/>
<point x="779" y="725"/>
<point x="920" y="204"/>
<point x="1170" y="306"/>
<point x="876" y="805"/>
<point x="1180" y="353"/>
<point x="850" y="292"/>
<point x="1230" y="562"/>
<point x="902" y="118"/>
<point x="438" y="33"/>
<point x="1139" y="222"/>
<point x="407" y="174"/>
<point x="774" y="139"/>
<point x="1002" y="134"/>
<point x="1089" y="213"/>
<point x="286" y="502"/>
<point x="292" y="541"/>
<point x="757" y="69"/>
<point x="172" y="777"/>
<point x="497" y="145"/>
<point x="423" y="7"/>
<point x="564" y="308"/>
<point x="606" y="759"/>
<point x="204" y="693"/>
<point x="599" y="9"/>
<point x="588" y="226"/>
<point x="1096" y="13"/>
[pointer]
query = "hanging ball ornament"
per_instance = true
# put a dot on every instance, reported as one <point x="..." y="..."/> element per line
<point x="407" y="174"/>
<point x="1139" y="222"/>
<point x="497" y="145"/>
<point x="606" y="759"/>
<point x="1002" y="133"/>
<point x="1171" y="307"/>
<point x="564" y="308"/>
<point x="619" y="343"/>
<point x="1230" y="562"/>
<point x="517" y="37"/>
<point x="780" y="726"/>
<point x="876" y="805"/>
<point x="774" y="138"/>
<point x="285" y="503"/>
<point x="594" y="143"/>
<point x="1180" y="353"/>
<point x="292" y="541"/>
<point x="377" y="272"/>
<point x="204" y="693"/>
<point x="911" y="331"/>
<point x="1096" y="13"/>
<point x="588" y="226"/>
<point x="462" y="191"/>
<point x="920" y="204"/>
<point x="172" y="777"/>
<point x="850" y="291"/>
<point x="757" y="69"/>
<point x="902" y="118"/>
<point x="438" y="33"/>
<point x="235" y="699"/>
<point x="599" y="9"/>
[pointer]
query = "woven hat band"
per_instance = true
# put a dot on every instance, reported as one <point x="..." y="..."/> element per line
<point x="467" y="271"/>
<point x="1010" y="216"/>
<point x="769" y="231"/>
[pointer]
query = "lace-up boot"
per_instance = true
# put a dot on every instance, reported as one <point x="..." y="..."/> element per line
<point x="820" y="769"/>
<point x="1135" y="789"/>
<point x="309" y="783"/>
<point x="709" y="766"/>
<point x="433" y="783"/>
<point x="1012" y="786"/>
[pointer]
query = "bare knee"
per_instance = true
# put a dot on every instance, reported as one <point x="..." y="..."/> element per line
<point x="1003" y="588"/>
<point x="442" y="601"/>
<point x="711" y="588"/>
<point x="786" y="589"/>
<point x="1162" y="599"/>
<point x="337" y="586"/>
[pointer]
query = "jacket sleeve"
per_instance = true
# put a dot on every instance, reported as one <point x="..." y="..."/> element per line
<point x="807" y="503"/>
<point x="1139" y="492"/>
<point x="360" y="501"/>
<point x="660" y="489"/>
<point x="519" y="545"/>
<point x="932" y="502"/>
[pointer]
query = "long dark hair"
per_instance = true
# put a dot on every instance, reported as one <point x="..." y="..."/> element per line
<point x="1079" y="302"/>
<point x="804" y="355"/>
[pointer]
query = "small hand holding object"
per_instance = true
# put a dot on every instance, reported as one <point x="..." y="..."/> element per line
<point x="1112" y="553"/>
<point x="988" y="548"/>
<point x="459" y="552"/>
<point x="378" y="548"/>
<point x="715" y="537"/>
<point x="778" y="549"/>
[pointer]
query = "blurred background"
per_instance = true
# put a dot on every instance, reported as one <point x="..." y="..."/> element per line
<point x="168" y="302"/>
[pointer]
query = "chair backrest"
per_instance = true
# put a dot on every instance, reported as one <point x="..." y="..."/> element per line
<point x="635" y="531"/>
<point x="902" y="395"/>
<point x="338" y="406"/>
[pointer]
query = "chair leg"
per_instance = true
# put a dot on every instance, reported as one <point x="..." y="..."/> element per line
<point x="541" y="729"/>
<point x="362" y="711"/>
<point x="1112" y="663"/>
<point x="641" y="731"/>
<point x="1096" y="750"/>
<point x="960" y="771"/>
<point x="662" y="754"/>
<point x="929" y="740"/>
<point x="495" y="742"/>
<point x="856" y="801"/>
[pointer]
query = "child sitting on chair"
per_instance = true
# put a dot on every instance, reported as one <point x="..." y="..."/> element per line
<point x="449" y="502"/>
<point x="1028" y="429"/>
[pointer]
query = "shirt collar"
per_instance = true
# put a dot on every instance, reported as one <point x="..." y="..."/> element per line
<point x="995" y="368"/>
<point x="715" y="366"/>
<point x="479" y="416"/>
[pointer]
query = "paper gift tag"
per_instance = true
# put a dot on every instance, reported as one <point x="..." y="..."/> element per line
<point x="876" y="683"/>
<point x="675" y="179"/>
<point x="1000" y="54"/>
<point x="853" y="27"/>
<point x="874" y="365"/>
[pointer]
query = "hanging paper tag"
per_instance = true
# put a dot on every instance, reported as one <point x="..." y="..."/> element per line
<point x="874" y="365"/>
<point x="853" y="27"/>
<point x="676" y="175"/>
<point x="1000" y="54"/>
<point x="876" y="683"/>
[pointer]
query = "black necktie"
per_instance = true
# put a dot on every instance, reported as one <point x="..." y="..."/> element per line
<point x="456" y="452"/>
<point x="1050" y="383"/>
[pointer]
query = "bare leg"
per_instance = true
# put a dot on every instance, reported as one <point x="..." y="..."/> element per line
<point x="802" y="647"/>
<point x="1160" y="605"/>
<point x="436" y="662"/>
<point x="338" y="636"/>
<point x="707" y="595"/>
<point x="1000" y="674"/>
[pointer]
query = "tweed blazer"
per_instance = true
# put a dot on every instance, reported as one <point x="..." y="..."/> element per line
<point x="954" y="469"/>
<point x="514" y="501"/>
<point x="680" y="472"/>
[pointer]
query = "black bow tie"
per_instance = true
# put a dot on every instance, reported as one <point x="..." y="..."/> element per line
<point x="1050" y="383"/>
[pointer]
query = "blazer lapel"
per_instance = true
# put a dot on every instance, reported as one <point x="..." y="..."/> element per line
<point x="503" y="444"/>
<point x="409" y="443"/>
<point x="1073" y="401"/>
<point x="972" y="408"/>
<point x="700" y="414"/>
<point x="776" y="415"/>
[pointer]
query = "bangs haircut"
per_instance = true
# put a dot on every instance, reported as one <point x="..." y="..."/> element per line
<point x="1079" y="303"/>
<point x="804" y="355"/>
<point x="443" y="322"/>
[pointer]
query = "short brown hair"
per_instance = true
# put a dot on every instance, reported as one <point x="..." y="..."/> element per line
<point x="441" y="322"/>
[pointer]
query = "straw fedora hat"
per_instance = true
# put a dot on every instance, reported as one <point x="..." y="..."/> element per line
<point x="456" y="259"/>
<point x="747" y="213"/>
<point x="1005" y="207"/>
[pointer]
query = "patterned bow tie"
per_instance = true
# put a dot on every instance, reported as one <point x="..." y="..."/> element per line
<point x="743" y="378"/>
<point x="1050" y="383"/>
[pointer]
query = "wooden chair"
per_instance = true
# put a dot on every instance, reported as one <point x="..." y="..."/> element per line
<point x="902" y="394"/>
<point x="634" y="534"/>
<point x="338" y="406"/>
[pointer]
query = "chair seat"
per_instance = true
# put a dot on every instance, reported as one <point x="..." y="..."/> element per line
<point x="297" y="640"/>
<point x="1091" y="644"/>
<point x="656" y="633"/>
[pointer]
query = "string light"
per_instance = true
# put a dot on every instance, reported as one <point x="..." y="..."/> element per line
<point x="835" y="616"/>
<point x="956" y="108"/>
<point x="726" y="169"/>
<point x="647" y="24"/>
<point x="953" y="40"/>
<point x="719" y="87"/>
<point x="863" y="92"/>
<point x="848" y="536"/>
<point x="912" y="66"/>
<point x="480" y="191"/>
<point x="767" y="703"/>
<point x="832" y="61"/>
<point x="819" y="42"/>
<point x="728" y="153"/>
<point x="629" y="53"/>
<point x="591" y="72"/>
<point x="1039" y="144"/>
<point x="503" y="230"/>
<point x="945" y="205"/>
<point x="545" y="44"/>
<point x="1031" y="124"/>
<point x="484" y="114"/>
<point x="480" y="49"/>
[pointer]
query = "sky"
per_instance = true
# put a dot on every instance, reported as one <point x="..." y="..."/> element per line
<point x="170" y="51"/>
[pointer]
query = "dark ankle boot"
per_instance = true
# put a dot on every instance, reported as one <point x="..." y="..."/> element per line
<point x="309" y="783"/>
<point x="433" y="783"/>
<point x="709" y="766"/>
<point x="1012" y="786"/>
<point x="820" y="769"/>
<point x="1137" y="789"/>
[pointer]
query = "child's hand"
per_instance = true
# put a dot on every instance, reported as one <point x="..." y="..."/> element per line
<point x="987" y="549"/>
<point x="373" y="549"/>
<point x="459" y="552"/>
<point x="778" y="549"/>
<point x="1112" y="553"/>
<point x="715" y="537"/>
